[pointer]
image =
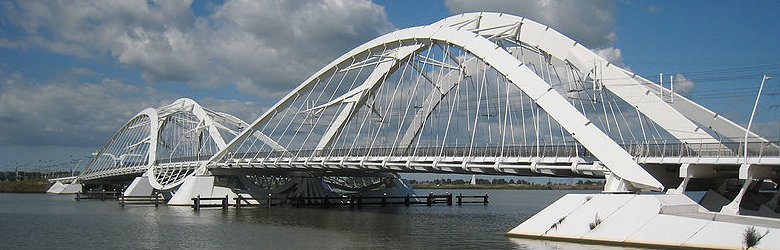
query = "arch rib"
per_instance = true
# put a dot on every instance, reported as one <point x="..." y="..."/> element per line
<point x="613" y="78"/>
<point x="701" y="115"/>
<point x="358" y="97"/>
<point x="433" y="99"/>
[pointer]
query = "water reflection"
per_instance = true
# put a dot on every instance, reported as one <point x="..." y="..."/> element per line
<point x="59" y="221"/>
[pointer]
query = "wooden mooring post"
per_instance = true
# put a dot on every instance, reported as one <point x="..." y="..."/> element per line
<point x="197" y="203"/>
<point x="461" y="199"/>
<point x="225" y="203"/>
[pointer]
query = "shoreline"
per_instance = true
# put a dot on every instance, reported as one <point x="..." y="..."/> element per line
<point x="33" y="186"/>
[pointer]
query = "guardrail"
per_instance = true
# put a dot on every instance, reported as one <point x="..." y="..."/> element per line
<point x="660" y="148"/>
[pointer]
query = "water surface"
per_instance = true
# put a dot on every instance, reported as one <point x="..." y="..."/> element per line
<point x="57" y="221"/>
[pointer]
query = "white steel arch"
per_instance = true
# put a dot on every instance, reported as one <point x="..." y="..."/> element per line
<point x="162" y="175"/>
<point x="701" y="115"/>
<point x="117" y="149"/>
<point x="605" y="149"/>
<point x="624" y="84"/>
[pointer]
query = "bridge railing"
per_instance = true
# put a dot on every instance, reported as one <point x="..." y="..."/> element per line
<point x="638" y="149"/>
<point x="702" y="150"/>
<point x="117" y="166"/>
<point x="184" y="159"/>
<point x="555" y="150"/>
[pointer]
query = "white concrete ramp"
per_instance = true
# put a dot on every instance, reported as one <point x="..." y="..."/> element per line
<point x="72" y="188"/>
<point x="203" y="186"/>
<point x="139" y="187"/>
<point x="62" y="188"/>
<point x="56" y="188"/>
<point x="667" y="220"/>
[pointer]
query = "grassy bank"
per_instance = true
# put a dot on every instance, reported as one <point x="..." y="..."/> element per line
<point x="25" y="186"/>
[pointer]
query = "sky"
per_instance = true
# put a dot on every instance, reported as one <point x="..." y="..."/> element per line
<point x="73" y="72"/>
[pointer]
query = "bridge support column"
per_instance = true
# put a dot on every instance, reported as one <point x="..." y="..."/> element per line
<point x="690" y="171"/>
<point x="56" y="188"/>
<point x="748" y="172"/>
<point x="139" y="187"/>
<point x="773" y="203"/>
<point x="72" y="188"/>
<point x="203" y="186"/>
<point x="615" y="184"/>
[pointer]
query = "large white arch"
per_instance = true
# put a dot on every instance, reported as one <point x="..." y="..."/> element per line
<point x="600" y="145"/>
<point x="701" y="115"/>
<point x="637" y="93"/>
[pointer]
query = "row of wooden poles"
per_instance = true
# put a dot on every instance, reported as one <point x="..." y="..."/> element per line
<point x="98" y="195"/>
<point x="351" y="201"/>
<point x="298" y="201"/>
<point x="123" y="200"/>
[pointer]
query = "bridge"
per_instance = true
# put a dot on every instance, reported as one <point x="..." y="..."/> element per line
<point x="477" y="93"/>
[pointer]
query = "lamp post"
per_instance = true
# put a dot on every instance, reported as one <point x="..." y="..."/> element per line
<point x="747" y="131"/>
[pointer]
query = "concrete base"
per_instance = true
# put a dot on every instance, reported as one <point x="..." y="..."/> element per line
<point x="56" y="188"/>
<point x="667" y="220"/>
<point x="203" y="186"/>
<point x="139" y="187"/>
<point x="71" y="188"/>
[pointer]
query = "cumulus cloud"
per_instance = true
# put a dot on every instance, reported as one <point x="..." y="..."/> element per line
<point x="67" y="112"/>
<point x="261" y="48"/>
<point x="246" y="111"/>
<point x="592" y="23"/>
<point x="682" y="85"/>
<point x="611" y="54"/>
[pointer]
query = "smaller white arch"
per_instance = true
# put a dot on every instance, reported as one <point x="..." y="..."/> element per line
<point x="151" y="115"/>
<point x="204" y="118"/>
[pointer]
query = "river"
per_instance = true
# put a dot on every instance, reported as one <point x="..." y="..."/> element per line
<point x="34" y="221"/>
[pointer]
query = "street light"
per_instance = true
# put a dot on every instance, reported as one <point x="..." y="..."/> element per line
<point x="747" y="131"/>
